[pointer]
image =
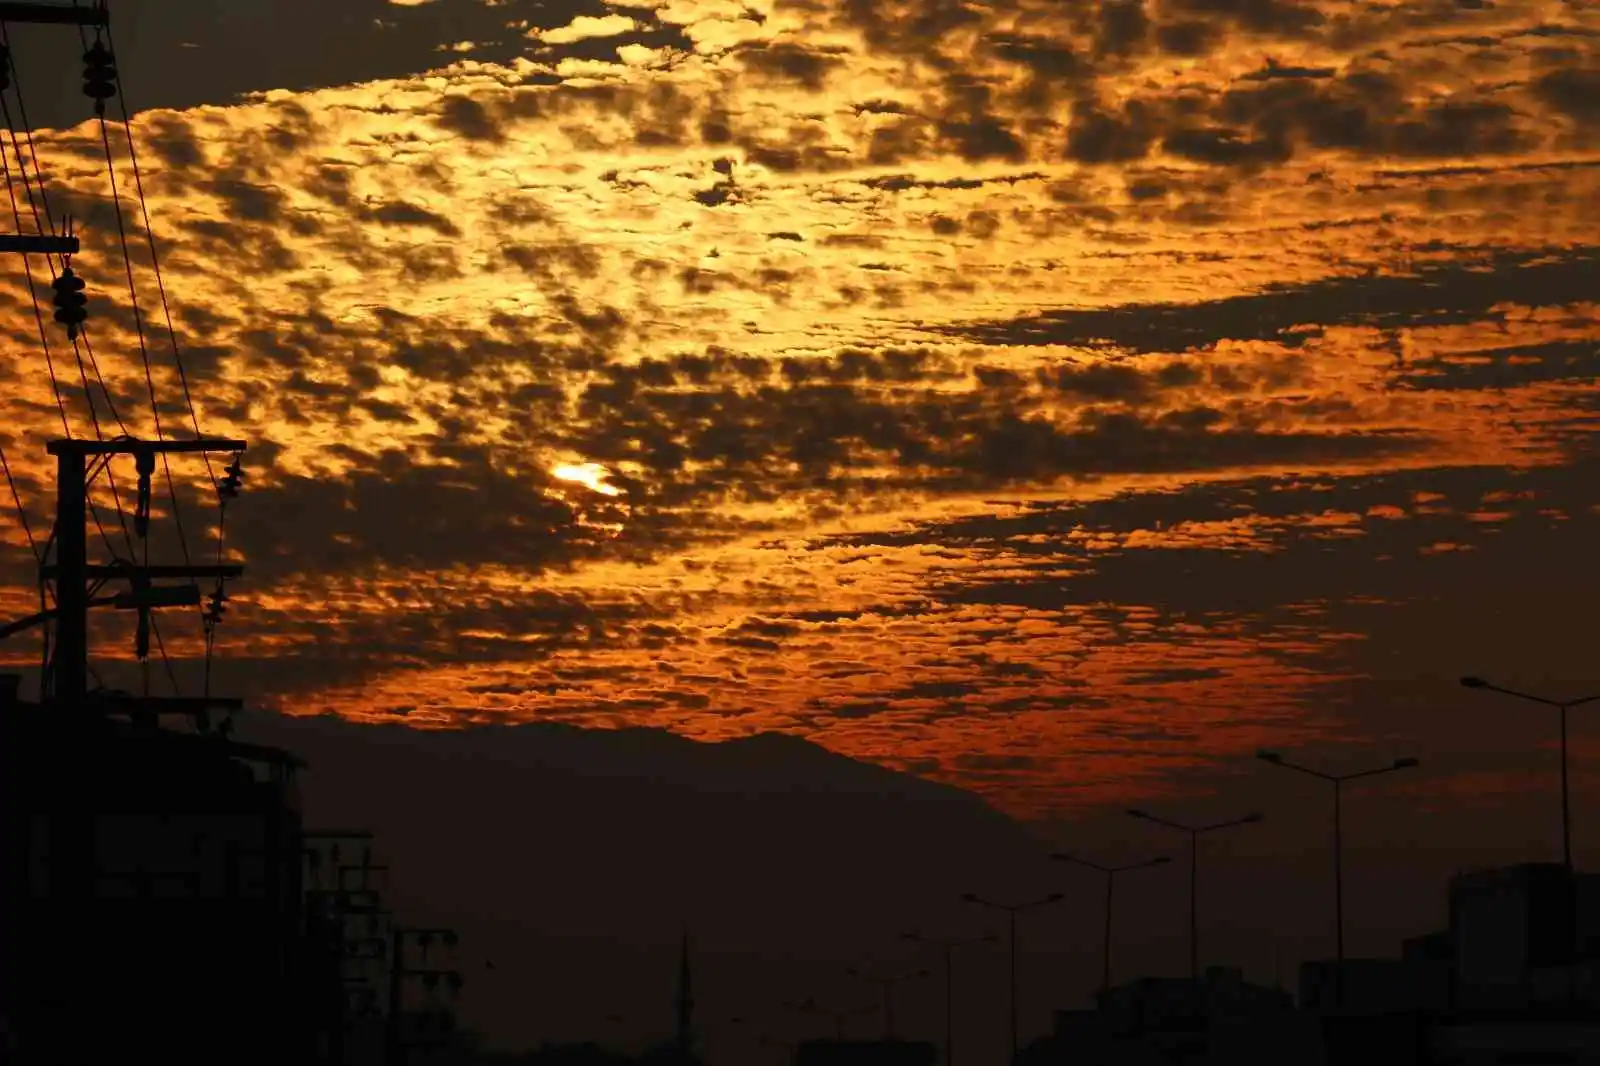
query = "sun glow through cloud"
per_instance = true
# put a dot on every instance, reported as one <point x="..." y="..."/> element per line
<point x="591" y="476"/>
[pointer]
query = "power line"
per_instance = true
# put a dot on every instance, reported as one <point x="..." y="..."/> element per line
<point x="43" y="224"/>
<point x="22" y="512"/>
<point x="155" y="259"/>
<point x="138" y="321"/>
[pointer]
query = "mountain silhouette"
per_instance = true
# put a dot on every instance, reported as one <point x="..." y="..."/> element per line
<point x="577" y="853"/>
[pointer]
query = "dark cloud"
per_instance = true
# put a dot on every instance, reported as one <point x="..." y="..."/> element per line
<point x="182" y="55"/>
<point x="1456" y="293"/>
<point x="1124" y="26"/>
<point x="1221" y="145"/>
<point x="397" y="512"/>
<point x="1099" y="135"/>
<point x="1284" y="18"/>
<point x="909" y="26"/>
<point x="1176" y="674"/>
<point x="791" y="62"/>
<point x="1505" y="367"/>
<point x="1375" y="572"/>
<point x="470" y="118"/>
<point x="1574" y="91"/>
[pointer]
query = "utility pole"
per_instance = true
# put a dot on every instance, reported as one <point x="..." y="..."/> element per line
<point x="68" y="676"/>
<point x="333" y="906"/>
<point x="399" y="972"/>
<point x="1111" y="873"/>
<point x="1012" y="910"/>
<point x="1337" y="781"/>
<point x="947" y="947"/>
<point x="1195" y="833"/>
<point x="65" y="679"/>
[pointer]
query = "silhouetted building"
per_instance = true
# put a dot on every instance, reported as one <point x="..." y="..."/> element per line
<point x="864" y="1053"/>
<point x="151" y="900"/>
<point x="1221" y="1019"/>
<point x="1374" y="986"/>
<point x="1154" y="1002"/>
<point x="589" y="1054"/>
<point x="1515" y="1040"/>
<point x="1510" y="927"/>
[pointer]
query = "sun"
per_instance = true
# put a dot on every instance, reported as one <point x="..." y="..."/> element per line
<point x="591" y="476"/>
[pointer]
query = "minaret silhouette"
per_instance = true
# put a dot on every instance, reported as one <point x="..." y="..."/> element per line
<point x="685" y="1000"/>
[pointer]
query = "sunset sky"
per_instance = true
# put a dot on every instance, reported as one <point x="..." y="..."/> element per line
<point x="1060" y="400"/>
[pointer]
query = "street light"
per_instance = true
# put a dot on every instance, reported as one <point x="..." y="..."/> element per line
<point x="838" y="1015"/>
<point x="1194" y="832"/>
<point x="948" y="945"/>
<point x="1337" y="780"/>
<point x="1012" y="910"/>
<point x="1111" y="873"/>
<point x="1563" y="706"/>
<point x="887" y="983"/>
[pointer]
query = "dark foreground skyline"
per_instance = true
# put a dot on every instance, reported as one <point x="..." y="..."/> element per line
<point x="793" y="865"/>
<point x="1058" y="404"/>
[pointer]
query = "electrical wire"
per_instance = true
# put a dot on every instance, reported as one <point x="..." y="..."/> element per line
<point x="22" y="512"/>
<point x="155" y="259"/>
<point x="105" y="35"/>
<point x="144" y="352"/>
<point x="45" y="223"/>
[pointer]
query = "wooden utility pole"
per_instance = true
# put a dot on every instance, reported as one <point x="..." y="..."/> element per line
<point x="67" y="680"/>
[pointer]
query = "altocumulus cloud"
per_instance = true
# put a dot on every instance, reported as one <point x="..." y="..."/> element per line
<point x="913" y="338"/>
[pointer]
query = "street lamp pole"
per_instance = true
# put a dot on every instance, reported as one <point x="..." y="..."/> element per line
<point x="838" y="1015"/>
<point x="1195" y="832"/>
<point x="1111" y="873"/>
<point x="1562" y="706"/>
<point x="947" y="947"/>
<point x="1337" y="781"/>
<point x="1012" y="910"/>
<point x="887" y="983"/>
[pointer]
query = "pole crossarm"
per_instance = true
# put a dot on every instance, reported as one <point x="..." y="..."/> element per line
<point x="134" y="446"/>
<point x="1337" y="781"/>
<point x="55" y="14"/>
<point x="1487" y="686"/>
<point x="1195" y="832"/>
<point x="182" y="706"/>
<point x="1278" y="760"/>
<point x="134" y="571"/>
<point x="38" y="244"/>
<point x="1110" y="873"/>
